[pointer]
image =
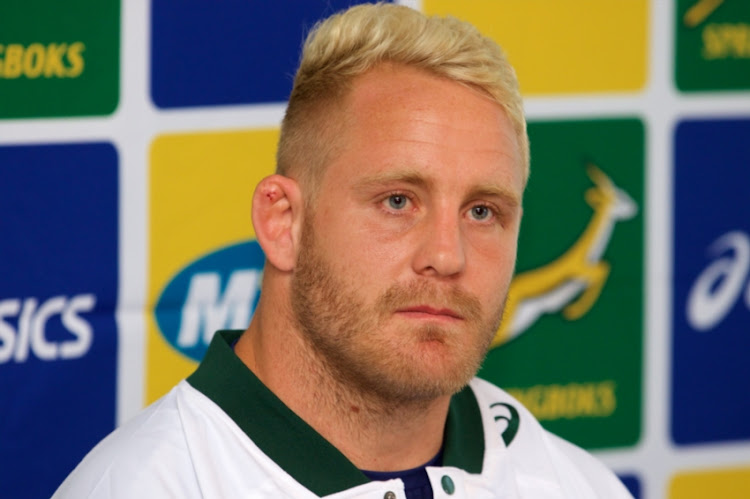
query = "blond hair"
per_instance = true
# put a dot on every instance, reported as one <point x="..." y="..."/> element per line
<point x="348" y="44"/>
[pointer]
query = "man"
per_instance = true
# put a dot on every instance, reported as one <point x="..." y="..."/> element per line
<point x="390" y="235"/>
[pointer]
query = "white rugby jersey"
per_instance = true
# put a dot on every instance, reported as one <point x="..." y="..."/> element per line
<point x="221" y="433"/>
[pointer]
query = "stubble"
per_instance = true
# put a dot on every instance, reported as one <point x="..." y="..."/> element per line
<point x="361" y="347"/>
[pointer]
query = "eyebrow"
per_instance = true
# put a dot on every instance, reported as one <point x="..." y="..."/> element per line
<point x="509" y="197"/>
<point x="413" y="177"/>
<point x="416" y="178"/>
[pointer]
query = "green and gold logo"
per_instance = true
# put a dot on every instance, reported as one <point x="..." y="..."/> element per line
<point x="54" y="60"/>
<point x="59" y="58"/>
<point x="574" y="309"/>
<point x="572" y="282"/>
<point x="712" y="45"/>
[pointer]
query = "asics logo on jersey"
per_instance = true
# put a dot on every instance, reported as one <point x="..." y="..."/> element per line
<point x="506" y="416"/>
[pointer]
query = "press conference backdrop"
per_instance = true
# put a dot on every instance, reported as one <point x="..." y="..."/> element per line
<point x="133" y="133"/>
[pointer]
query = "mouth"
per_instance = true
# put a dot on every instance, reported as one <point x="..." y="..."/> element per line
<point x="429" y="313"/>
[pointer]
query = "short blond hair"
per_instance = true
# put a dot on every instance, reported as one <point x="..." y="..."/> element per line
<point x="348" y="44"/>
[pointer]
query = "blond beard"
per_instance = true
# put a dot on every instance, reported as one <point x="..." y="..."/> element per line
<point x="343" y="332"/>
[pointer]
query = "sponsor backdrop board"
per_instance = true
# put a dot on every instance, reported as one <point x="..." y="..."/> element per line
<point x="556" y="50"/>
<point x="575" y="310"/>
<point x="58" y="292"/>
<point x="712" y="45"/>
<point x="133" y="133"/>
<point x="205" y="268"/>
<point x="59" y="58"/>
<point x="730" y="483"/>
<point x="711" y="307"/>
<point x="192" y="41"/>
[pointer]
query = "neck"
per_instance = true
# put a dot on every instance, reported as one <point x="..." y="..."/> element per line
<point x="373" y="433"/>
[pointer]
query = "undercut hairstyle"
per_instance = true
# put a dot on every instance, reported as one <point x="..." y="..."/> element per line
<point x="350" y="43"/>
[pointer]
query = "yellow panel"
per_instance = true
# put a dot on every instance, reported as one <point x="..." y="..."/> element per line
<point x="570" y="46"/>
<point x="201" y="188"/>
<point x="726" y="484"/>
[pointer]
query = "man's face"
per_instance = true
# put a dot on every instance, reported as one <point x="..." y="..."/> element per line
<point x="406" y="259"/>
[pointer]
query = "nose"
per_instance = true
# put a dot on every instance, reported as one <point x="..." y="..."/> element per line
<point x="440" y="251"/>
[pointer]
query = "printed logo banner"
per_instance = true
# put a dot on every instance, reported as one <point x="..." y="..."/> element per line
<point x="727" y="484"/>
<point x="711" y="304"/>
<point x="59" y="58"/>
<point x="633" y="484"/>
<point x="712" y="45"/>
<point x="205" y="266"/>
<point x="58" y="339"/>
<point x="574" y="46"/>
<point x="570" y="344"/>
<point x="229" y="52"/>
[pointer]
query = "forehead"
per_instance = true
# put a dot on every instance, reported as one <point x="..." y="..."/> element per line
<point x="399" y="117"/>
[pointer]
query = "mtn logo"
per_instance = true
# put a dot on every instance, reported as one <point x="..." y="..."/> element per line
<point x="218" y="291"/>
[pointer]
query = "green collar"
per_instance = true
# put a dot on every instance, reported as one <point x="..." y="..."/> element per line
<point x="298" y="448"/>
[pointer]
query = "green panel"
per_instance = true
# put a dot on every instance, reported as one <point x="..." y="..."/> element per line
<point x="581" y="376"/>
<point x="59" y="58"/>
<point x="712" y="45"/>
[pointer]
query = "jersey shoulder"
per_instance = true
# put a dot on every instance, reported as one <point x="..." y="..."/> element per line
<point x="601" y="479"/>
<point x="148" y="454"/>
<point x="535" y="454"/>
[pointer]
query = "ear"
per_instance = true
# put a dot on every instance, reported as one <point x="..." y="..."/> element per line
<point x="277" y="218"/>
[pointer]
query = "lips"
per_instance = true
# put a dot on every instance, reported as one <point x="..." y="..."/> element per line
<point x="427" y="312"/>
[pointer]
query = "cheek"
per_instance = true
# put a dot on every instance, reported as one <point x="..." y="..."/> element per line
<point x="494" y="249"/>
<point x="383" y="243"/>
<point x="358" y="258"/>
<point x="493" y="261"/>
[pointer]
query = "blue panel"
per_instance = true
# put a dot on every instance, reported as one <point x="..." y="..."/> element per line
<point x="711" y="303"/>
<point x="229" y="52"/>
<point x="633" y="484"/>
<point x="58" y="342"/>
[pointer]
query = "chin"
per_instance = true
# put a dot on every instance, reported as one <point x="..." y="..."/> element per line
<point x="431" y="369"/>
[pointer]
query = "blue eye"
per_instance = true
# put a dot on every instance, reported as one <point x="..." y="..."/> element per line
<point x="397" y="201"/>
<point x="480" y="212"/>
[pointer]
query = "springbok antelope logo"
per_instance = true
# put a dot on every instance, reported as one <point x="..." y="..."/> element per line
<point x="700" y="11"/>
<point x="573" y="282"/>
